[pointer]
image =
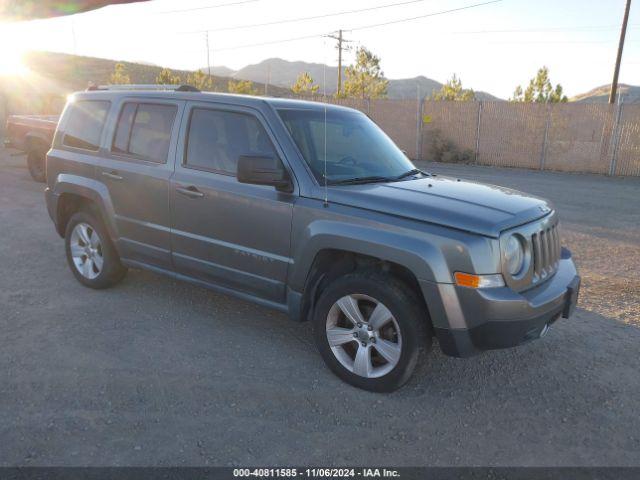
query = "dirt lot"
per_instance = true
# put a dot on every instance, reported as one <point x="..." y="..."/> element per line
<point x="157" y="372"/>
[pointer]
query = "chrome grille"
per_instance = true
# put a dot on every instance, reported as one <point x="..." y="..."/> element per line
<point x="546" y="252"/>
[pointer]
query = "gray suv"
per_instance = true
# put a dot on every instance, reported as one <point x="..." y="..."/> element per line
<point x="309" y="209"/>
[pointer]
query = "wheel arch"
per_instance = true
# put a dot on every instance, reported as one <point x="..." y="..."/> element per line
<point x="36" y="139"/>
<point x="75" y="193"/>
<point x="330" y="264"/>
<point x="329" y="246"/>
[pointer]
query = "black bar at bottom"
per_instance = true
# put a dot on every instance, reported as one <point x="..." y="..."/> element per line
<point x="405" y="473"/>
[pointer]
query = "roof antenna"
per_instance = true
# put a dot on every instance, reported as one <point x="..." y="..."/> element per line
<point x="324" y="99"/>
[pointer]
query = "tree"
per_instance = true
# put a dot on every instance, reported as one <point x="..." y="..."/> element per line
<point x="242" y="86"/>
<point x="453" y="91"/>
<point x="200" y="80"/>
<point x="166" y="77"/>
<point x="365" y="79"/>
<point x="304" y="85"/>
<point x="119" y="75"/>
<point x="540" y="90"/>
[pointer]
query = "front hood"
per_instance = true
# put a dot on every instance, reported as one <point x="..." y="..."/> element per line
<point x="464" y="205"/>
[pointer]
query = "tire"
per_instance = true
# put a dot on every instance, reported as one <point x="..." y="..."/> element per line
<point x="36" y="163"/>
<point x="96" y="263"/>
<point x="379" y="359"/>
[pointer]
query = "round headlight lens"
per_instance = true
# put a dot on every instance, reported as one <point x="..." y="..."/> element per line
<point x="514" y="255"/>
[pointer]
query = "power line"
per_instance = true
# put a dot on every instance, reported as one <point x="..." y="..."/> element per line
<point x="286" y="40"/>
<point x="402" y="20"/>
<point x="555" y="42"/>
<point x="230" y="4"/>
<point x="546" y="29"/>
<point x="317" y="35"/>
<point x="313" y="17"/>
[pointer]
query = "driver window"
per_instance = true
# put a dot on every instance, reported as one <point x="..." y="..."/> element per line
<point x="217" y="138"/>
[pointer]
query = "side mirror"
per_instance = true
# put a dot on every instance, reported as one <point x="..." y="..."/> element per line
<point x="263" y="170"/>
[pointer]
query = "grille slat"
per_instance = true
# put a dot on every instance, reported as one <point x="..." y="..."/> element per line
<point x="537" y="254"/>
<point x="556" y="249"/>
<point x="546" y="252"/>
<point x="544" y="240"/>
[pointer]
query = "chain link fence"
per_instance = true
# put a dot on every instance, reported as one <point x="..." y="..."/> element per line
<point x="570" y="137"/>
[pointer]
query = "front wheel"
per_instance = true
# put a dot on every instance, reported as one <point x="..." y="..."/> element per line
<point x="370" y="329"/>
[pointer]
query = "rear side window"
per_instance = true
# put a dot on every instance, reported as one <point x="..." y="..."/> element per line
<point x="217" y="138"/>
<point x="85" y="123"/>
<point x="144" y="131"/>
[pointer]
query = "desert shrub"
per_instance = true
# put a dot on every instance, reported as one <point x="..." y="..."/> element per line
<point x="444" y="150"/>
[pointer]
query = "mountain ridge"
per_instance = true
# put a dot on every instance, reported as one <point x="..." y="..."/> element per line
<point x="70" y="72"/>
<point x="283" y="73"/>
<point x="628" y="93"/>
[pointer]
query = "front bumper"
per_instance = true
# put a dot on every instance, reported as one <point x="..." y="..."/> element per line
<point x="474" y="320"/>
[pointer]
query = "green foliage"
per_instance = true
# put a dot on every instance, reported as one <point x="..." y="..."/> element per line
<point x="365" y="79"/>
<point x="244" y="87"/>
<point x="453" y="91"/>
<point x="166" y="77"/>
<point x="540" y="90"/>
<point x="119" y="75"/>
<point x="304" y="85"/>
<point x="200" y="80"/>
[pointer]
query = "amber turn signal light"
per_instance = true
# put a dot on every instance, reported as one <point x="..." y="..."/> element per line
<point x="471" y="280"/>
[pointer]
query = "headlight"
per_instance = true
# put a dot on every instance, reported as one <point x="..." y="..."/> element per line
<point x="514" y="255"/>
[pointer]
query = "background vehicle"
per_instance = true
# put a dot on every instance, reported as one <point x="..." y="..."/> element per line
<point x="310" y="209"/>
<point x="33" y="135"/>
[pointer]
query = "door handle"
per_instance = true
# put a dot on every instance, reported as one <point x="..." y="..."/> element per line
<point x="113" y="175"/>
<point x="190" y="191"/>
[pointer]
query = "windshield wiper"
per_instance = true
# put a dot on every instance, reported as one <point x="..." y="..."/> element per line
<point x="414" y="171"/>
<point x="359" y="180"/>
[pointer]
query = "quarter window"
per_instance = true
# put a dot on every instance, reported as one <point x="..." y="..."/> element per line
<point x="85" y="124"/>
<point x="144" y="131"/>
<point x="217" y="138"/>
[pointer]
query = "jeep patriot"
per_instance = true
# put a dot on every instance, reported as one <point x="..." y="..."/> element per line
<point x="310" y="209"/>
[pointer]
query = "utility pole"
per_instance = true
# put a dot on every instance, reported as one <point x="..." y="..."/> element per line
<point x="340" y="47"/>
<point x="616" y="72"/>
<point x="208" y="61"/>
<point x="266" y="84"/>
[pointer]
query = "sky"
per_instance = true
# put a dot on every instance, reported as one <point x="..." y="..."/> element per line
<point x="491" y="47"/>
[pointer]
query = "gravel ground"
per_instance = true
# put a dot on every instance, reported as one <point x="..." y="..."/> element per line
<point x="158" y="372"/>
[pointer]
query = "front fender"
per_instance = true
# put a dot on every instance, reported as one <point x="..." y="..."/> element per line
<point x="417" y="254"/>
<point x="91" y="189"/>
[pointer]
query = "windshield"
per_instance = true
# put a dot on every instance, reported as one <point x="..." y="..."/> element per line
<point x="356" y="148"/>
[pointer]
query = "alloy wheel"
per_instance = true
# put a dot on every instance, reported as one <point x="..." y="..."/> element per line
<point x="364" y="336"/>
<point x="86" y="250"/>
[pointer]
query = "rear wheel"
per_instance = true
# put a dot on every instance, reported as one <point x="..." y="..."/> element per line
<point x="36" y="163"/>
<point x="90" y="253"/>
<point x="370" y="329"/>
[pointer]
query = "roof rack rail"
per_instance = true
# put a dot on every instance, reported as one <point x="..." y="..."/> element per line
<point x="175" y="88"/>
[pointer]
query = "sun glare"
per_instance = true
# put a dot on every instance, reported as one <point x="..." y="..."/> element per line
<point x="11" y="63"/>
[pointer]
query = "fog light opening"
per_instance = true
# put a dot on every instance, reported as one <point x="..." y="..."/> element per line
<point x="544" y="330"/>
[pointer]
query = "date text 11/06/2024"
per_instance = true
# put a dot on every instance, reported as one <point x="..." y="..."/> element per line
<point x="317" y="472"/>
